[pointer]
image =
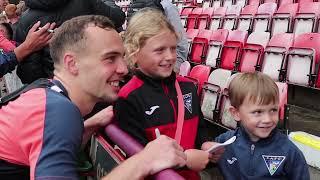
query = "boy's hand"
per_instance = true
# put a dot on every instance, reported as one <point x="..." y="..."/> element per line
<point x="214" y="157"/>
<point x="197" y="160"/>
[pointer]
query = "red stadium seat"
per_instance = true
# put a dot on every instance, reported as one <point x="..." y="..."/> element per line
<point x="191" y="34"/>
<point x="282" y="19"/>
<point x="204" y="18"/>
<point x="274" y="55"/>
<point x="216" y="19"/>
<point x="201" y="74"/>
<point x="252" y="51"/>
<point x="230" y="19"/>
<point x="246" y="17"/>
<point x="306" y="18"/>
<point x="302" y="59"/>
<point x="216" y="43"/>
<point x="262" y="19"/>
<point x="199" y="47"/>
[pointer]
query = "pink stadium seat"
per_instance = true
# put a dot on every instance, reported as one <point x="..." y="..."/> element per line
<point x="229" y="21"/>
<point x="252" y="51"/>
<point x="283" y="98"/>
<point x="282" y="19"/>
<point x="253" y="2"/>
<point x="306" y="18"/>
<point x="227" y="3"/>
<point x="206" y="3"/>
<point x="201" y="74"/>
<point x="216" y="19"/>
<point x="246" y="17"/>
<point x="283" y="2"/>
<point x="274" y="55"/>
<point x="191" y="34"/>
<point x="262" y="19"/>
<point x="302" y="59"/>
<point x="197" y="11"/>
<point x="199" y="46"/>
<point x="184" y="68"/>
<point x="217" y="40"/>
<point x="216" y="4"/>
<point x="184" y="14"/>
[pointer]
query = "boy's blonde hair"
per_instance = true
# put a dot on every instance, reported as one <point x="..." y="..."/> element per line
<point x="257" y="87"/>
<point x="144" y="24"/>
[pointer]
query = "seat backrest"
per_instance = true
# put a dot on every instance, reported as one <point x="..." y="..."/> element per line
<point x="283" y="2"/>
<point x="220" y="77"/>
<point x="309" y="40"/>
<point x="200" y="73"/>
<point x="208" y="11"/>
<point x="253" y="2"/>
<point x="261" y="38"/>
<point x="191" y="33"/>
<point x="250" y="9"/>
<point x="291" y="9"/>
<point x="237" y="35"/>
<point x="186" y="11"/>
<point x="220" y="11"/>
<point x="267" y="8"/>
<point x="233" y="10"/>
<point x="184" y="68"/>
<point x="197" y="11"/>
<point x="282" y="40"/>
<point x="219" y="35"/>
<point x="309" y="7"/>
<point x="191" y="21"/>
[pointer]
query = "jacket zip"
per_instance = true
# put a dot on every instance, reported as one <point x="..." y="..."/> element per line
<point x="251" y="170"/>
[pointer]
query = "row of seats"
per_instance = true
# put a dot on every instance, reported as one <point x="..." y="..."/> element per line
<point x="295" y="18"/>
<point x="284" y="58"/>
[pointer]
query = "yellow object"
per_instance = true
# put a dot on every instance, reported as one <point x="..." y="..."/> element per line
<point x="306" y="139"/>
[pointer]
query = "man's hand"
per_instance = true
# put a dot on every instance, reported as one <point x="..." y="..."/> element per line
<point x="214" y="157"/>
<point x="160" y="154"/>
<point x="197" y="160"/>
<point x="36" y="39"/>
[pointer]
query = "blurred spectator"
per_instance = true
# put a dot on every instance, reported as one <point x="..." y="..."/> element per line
<point x="10" y="11"/>
<point x="3" y="4"/>
<point x="21" y="7"/>
<point x="3" y="18"/>
<point x="6" y="34"/>
<point x="40" y="64"/>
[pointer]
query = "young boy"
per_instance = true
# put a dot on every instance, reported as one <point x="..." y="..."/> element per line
<point x="260" y="150"/>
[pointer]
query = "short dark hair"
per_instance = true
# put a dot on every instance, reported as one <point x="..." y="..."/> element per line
<point x="9" y="30"/>
<point x="71" y="34"/>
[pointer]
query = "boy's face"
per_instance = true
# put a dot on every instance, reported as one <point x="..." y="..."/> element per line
<point x="158" y="56"/>
<point x="258" y="120"/>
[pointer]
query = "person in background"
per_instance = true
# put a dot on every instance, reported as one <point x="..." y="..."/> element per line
<point x="40" y="64"/>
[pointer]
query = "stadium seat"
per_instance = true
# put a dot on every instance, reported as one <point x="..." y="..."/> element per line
<point x="211" y="93"/>
<point x="216" y="4"/>
<point x="230" y="19"/>
<point x="241" y="3"/>
<point x="274" y="55"/>
<point x="262" y="19"/>
<point x="217" y="40"/>
<point x="191" y="21"/>
<point x="225" y="116"/>
<point x="184" y="68"/>
<point x="283" y="2"/>
<point x="306" y="18"/>
<point x="206" y="3"/>
<point x="201" y="74"/>
<point x="318" y="79"/>
<point x="184" y="14"/>
<point x="253" y="2"/>
<point x="191" y="34"/>
<point x="199" y="47"/>
<point x="232" y="49"/>
<point x="216" y="19"/>
<point x="204" y="18"/>
<point x="227" y="3"/>
<point x="246" y="17"/>
<point x="252" y="51"/>
<point x="283" y="98"/>
<point x="302" y="58"/>
<point x="282" y="19"/>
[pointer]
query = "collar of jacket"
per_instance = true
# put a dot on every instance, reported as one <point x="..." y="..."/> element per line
<point x="240" y="131"/>
<point x="157" y="83"/>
